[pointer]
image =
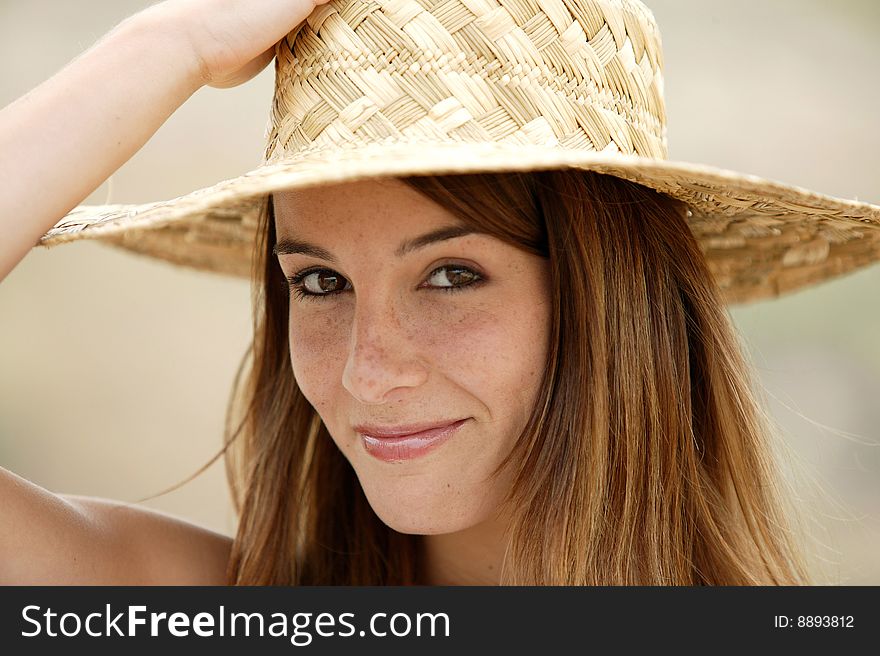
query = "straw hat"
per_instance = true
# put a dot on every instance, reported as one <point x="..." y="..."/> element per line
<point x="393" y="88"/>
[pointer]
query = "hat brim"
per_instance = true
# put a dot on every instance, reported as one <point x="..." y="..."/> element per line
<point x="761" y="238"/>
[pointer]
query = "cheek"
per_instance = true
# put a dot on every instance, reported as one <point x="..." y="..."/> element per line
<point x="460" y="339"/>
<point x="319" y="337"/>
<point x="507" y="355"/>
<point x="315" y="338"/>
<point x="492" y="348"/>
<point x="491" y="360"/>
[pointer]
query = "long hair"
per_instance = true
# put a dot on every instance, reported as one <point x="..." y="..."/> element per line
<point x="647" y="458"/>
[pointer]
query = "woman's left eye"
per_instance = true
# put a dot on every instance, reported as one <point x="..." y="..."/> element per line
<point x="459" y="277"/>
<point x="449" y="278"/>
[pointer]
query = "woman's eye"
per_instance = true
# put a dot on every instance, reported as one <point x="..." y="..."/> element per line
<point x="452" y="278"/>
<point x="321" y="283"/>
<point x="316" y="283"/>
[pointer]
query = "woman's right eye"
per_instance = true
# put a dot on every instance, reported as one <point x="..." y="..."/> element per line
<point x="317" y="283"/>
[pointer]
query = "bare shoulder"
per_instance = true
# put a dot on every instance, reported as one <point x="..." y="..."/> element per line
<point x="149" y="547"/>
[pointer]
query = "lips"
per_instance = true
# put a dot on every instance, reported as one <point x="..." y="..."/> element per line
<point x="402" y="430"/>
<point x="393" y="446"/>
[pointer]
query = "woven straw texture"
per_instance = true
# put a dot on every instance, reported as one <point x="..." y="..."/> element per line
<point x="402" y="87"/>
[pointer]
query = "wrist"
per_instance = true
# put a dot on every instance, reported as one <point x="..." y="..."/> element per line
<point x="158" y="27"/>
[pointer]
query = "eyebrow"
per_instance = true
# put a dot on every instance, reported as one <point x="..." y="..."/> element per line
<point x="293" y="246"/>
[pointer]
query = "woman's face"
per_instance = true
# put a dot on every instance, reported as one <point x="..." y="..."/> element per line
<point x="394" y="347"/>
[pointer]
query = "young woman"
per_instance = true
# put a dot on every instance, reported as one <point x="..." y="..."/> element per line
<point x="509" y="377"/>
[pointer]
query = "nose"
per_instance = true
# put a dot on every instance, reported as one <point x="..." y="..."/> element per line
<point x="381" y="356"/>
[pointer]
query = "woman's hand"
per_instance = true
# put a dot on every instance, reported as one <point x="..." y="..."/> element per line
<point x="145" y="68"/>
<point x="233" y="40"/>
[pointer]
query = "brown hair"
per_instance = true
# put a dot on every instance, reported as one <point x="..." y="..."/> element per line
<point x="647" y="457"/>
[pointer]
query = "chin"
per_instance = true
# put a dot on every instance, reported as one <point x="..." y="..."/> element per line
<point x="419" y="518"/>
<point x="423" y="524"/>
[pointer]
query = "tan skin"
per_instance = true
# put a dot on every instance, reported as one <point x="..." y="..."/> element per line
<point x="392" y="345"/>
<point x="397" y="349"/>
<point x="146" y="67"/>
<point x="394" y="358"/>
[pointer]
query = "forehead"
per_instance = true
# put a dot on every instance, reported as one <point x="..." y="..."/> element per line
<point x="382" y="198"/>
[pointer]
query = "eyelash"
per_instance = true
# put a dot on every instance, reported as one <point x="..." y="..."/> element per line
<point x="298" y="289"/>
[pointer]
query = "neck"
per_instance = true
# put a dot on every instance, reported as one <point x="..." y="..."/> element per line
<point x="472" y="556"/>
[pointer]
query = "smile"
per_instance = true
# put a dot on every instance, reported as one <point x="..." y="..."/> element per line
<point x="408" y="447"/>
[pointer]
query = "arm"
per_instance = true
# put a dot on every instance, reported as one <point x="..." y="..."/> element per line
<point x="58" y="143"/>
<point x="50" y="539"/>
<point x="61" y="140"/>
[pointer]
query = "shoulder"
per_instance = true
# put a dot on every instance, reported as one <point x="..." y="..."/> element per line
<point x="149" y="547"/>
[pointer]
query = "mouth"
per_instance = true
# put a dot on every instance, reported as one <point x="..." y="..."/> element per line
<point x="389" y="445"/>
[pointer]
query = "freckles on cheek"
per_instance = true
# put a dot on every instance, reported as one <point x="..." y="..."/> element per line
<point x="467" y="338"/>
<point x="497" y="350"/>
<point x="314" y="338"/>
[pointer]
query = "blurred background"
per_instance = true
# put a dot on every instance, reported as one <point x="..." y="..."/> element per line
<point x="115" y="370"/>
